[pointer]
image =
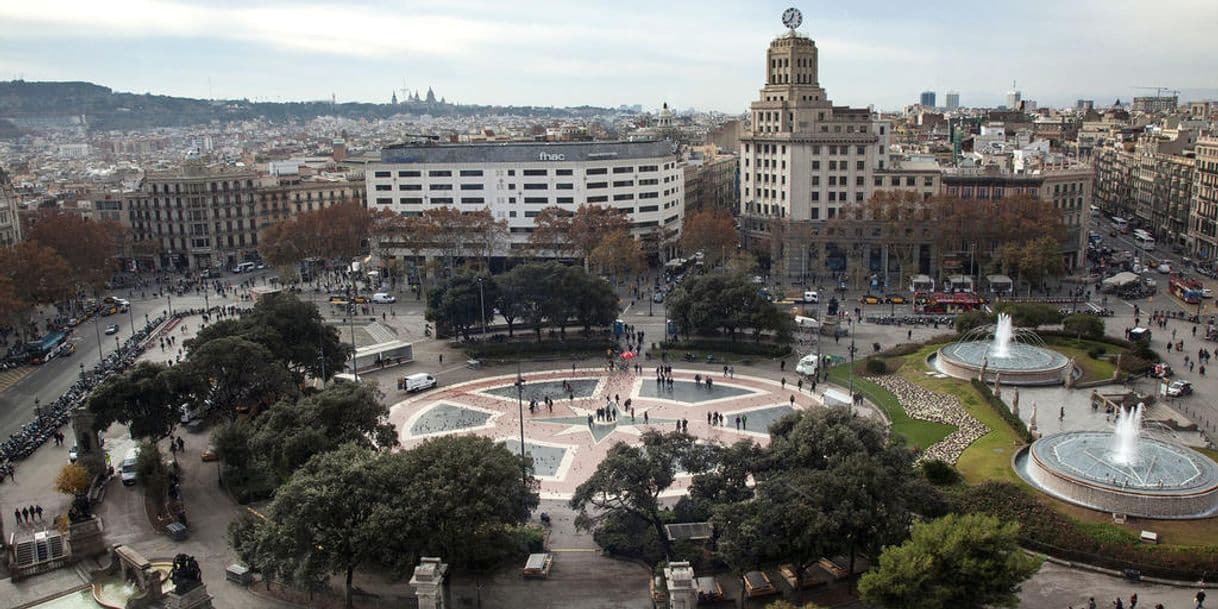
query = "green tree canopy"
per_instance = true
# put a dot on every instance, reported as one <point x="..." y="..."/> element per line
<point x="725" y="303"/>
<point x="969" y="561"/>
<point x="1083" y="325"/>
<point x="146" y="399"/>
<point x="290" y="433"/>
<point x="457" y="305"/>
<point x="233" y="372"/>
<point x="1031" y="314"/>
<point x="290" y="329"/>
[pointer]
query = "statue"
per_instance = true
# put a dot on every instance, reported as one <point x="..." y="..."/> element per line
<point x="185" y="574"/>
<point x="81" y="509"/>
<point x="998" y="385"/>
<point x="1015" y="400"/>
<point x="1032" y="423"/>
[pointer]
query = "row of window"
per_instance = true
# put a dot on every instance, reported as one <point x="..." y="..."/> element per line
<point x="469" y="173"/>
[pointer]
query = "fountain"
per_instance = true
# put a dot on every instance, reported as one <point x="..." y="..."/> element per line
<point x="1123" y="472"/>
<point x="1002" y="352"/>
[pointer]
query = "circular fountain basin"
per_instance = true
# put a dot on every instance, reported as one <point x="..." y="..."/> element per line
<point x="1165" y="481"/>
<point x="1024" y="365"/>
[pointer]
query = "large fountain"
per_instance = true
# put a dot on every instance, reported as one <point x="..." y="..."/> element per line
<point x="1002" y="352"/>
<point x="1123" y="471"/>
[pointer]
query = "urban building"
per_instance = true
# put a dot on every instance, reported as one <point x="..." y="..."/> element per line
<point x="802" y="160"/>
<point x="711" y="180"/>
<point x="1013" y="98"/>
<point x="10" y="223"/>
<point x="953" y="100"/>
<point x="927" y="99"/>
<point x="516" y="180"/>
<point x="1203" y="214"/>
<point x="209" y="216"/>
<point x="1153" y="104"/>
<point x="1084" y="105"/>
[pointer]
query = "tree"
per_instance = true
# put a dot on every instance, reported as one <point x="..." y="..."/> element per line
<point x="234" y="374"/>
<point x="972" y="319"/>
<point x="630" y="479"/>
<point x="712" y="232"/>
<point x="151" y="472"/>
<point x="462" y="302"/>
<point x="37" y="275"/>
<point x="291" y="329"/>
<point x="323" y="521"/>
<point x="593" y="302"/>
<point x="89" y="247"/>
<point x="1040" y="258"/>
<point x="1031" y="314"/>
<point x="617" y="254"/>
<point x="719" y="302"/>
<point x="290" y="433"/>
<point x="145" y="398"/>
<point x="73" y="479"/>
<point x="576" y="234"/>
<point x="969" y="561"/>
<point x="488" y="233"/>
<point x="1082" y="324"/>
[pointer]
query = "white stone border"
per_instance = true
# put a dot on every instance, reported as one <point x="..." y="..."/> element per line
<point x="406" y="435"/>
<point x="564" y="466"/>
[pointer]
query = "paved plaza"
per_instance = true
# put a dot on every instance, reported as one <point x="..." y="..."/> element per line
<point x="568" y="438"/>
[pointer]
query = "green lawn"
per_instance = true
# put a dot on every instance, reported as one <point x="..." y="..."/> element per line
<point x="914" y="432"/>
<point x="989" y="458"/>
<point x="1093" y="369"/>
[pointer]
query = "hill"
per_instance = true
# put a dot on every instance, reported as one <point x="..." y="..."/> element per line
<point x="28" y="102"/>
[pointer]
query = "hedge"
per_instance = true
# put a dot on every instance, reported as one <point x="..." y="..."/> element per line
<point x="510" y="349"/>
<point x="1046" y="530"/>
<point x="765" y="349"/>
<point x="1001" y="408"/>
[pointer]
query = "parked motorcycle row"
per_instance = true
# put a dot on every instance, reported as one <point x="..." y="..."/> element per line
<point x="54" y="415"/>
<point x="913" y="320"/>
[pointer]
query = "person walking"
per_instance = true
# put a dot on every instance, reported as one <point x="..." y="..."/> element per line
<point x="25" y="514"/>
<point x="1200" y="599"/>
<point x="38" y="508"/>
<point x="17" y="515"/>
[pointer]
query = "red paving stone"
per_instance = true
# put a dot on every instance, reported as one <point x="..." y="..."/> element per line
<point x="584" y="452"/>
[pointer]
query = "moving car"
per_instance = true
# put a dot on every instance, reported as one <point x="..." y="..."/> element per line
<point x="658" y="297"/>
<point x="870" y="299"/>
<point x="112" y="329"/>
<point x="896" y="298"/>
<point x="811" y="297"/>
<point x="1164" y="268"/>
<point x="338" y="300"/>
<point x="209" y="454"/>
<point x="73" y="453"/>
<point x="418" y="382"/>
<point x="807" y="365"/>
<point x="1179" y="388"/>
<point x="1207" y="293"/>
<point x="384" y="298"/>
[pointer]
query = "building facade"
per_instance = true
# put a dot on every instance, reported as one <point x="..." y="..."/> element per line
<point x="209" y="217"/>
<point x="927" y="99"/>
<point x="953" y="100"/>
<point x="1203" y="214"/>
<point x="712" y="182"/>
<point x="10" y="223"/>
<point x="516" y="180"/>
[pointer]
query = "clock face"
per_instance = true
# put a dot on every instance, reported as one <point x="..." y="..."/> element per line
<point x="792" y="18"/>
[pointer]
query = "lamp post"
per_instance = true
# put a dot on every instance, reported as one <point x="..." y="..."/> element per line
<point x="97" y="331"/>
<point x="852" y="371"/>
<point x="482" y="306"/>
<point x="82" y="370"/>
<point x="524" y="471"/>
<point x="37" y="408"/>
<point x="169" y="299"/>
<point x="651" y="298"/>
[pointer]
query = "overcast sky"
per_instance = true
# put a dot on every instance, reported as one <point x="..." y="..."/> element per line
<point x="706" y="54"/>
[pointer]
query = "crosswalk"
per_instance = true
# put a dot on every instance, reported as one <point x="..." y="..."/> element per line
<point x="380" y="333"/>
<point x="10" y="377"/>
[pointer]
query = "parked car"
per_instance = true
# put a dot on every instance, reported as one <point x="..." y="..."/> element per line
<point x="1179" y="388"/>
<point x="896" y="298"/>
<point x="383" y="298"/>
<point x="870" y="299"/>
<point x="811" y="297"/>
<point x="417" y="382"/>
<point x="807" y="365"/>
<point x="1164" y="268"/>
<point x="1207" y="293"/>
<point x="112" y="329"/>
<point x="209" y="454"/>
<point x="73" y="453"/>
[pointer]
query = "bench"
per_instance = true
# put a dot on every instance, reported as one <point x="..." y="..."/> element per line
<point x="1149" y="537"/>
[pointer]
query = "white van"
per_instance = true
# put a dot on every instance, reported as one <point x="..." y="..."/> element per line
<point x="244" y="267"/>
<point x="384" y="298"/>
<point x="127" y="468"/>
<point x="811" y="297"/>
<point x="418" y="382"/>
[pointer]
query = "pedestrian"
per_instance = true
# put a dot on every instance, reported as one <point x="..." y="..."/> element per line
<point x="1118" y="603"/>
<point x="909" y="335"/>
<point x="38" y="508"/>
<point x="1091" y="603"/>
<point x="708" y="418"/>
<point x="441" y="359"/>
<point x="737" y="422"/>
<point x="731" y="371"/>
<point x="1133" y="601"/>
<point x="1200" y="599"/>
<point x="800" y="385"/>
<point x="744" y="421"/>
<point x="782" y="365"/>
<point x="784" y="382"/>
<point x="25" y="514"/>
<point x="792" y="401"/>
<point x="644" y="417"/>
<point x="181" y="445"/>
<point x="1201" y="369"/>
<point x="17" y="515"/>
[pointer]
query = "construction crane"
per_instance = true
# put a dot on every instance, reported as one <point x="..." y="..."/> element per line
<point x="1159" y="90"/>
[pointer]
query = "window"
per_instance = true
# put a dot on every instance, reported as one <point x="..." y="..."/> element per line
<point x="541" y="200"/>
<point x="384" y="186"/>
<point x="816" y="180"/>
<point x="439" y="187"/>
<point x="471" y="173"/>
<point x="879" y="181"/>
<point x="858" y="197"/>
<point x="815" y="165"/>
<point x="832" y="196"/>
<point x="650" y="168"/>
<point x="442" y="201"/>
<point x="535" y="172"/>
<point x="652" y="181"/>
<point x="599" y="199"/>
<point x="564" y="186"/>
<point x="409" y="173"/>
<point x="383" y="174"/>
<point x="858" y="181"/>
<point x="597" y="171"/>
<point x="597" y="184"/>
<point x="621" y="183"/>
<point x="910" y="181"/>
<point x="624" y="197"/>
<point x="472" y="200"/>
<point x="928" y="181"/>
<point x="649" y="195"/>
<point x="511" y="172"/>
<point x="563" y="172"/>
<point x="384" y="200"/>
<point x="410" y="187"/>
<point x="530" y="214"/>
<point x="894" y="181"/>
<point x="561" y="200"/>
<point x="536" y="186"/>
<point x="858" y="165"/>
<point x="440" y="173"/>
<point x="832" y="165"/>
<point x="623" y="170"/>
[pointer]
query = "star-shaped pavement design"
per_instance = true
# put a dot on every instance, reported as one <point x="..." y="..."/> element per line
<point x="603" y="429"/>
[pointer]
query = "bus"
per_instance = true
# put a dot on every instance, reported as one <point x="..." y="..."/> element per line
<point x="1144" y="240"/>
<point x="1120" y="224"/>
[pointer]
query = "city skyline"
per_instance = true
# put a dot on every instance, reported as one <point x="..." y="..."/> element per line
<point x="564" y="55"/>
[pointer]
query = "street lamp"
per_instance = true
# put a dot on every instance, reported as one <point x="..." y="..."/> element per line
<point x="852" y="348"/>
<point x="482" y="307"/>
<point x="37" y="408"/>
<point x="82" y="370"/>
<point x="169" y="299"/>
<point x="97" y="331"/>
<point x="524" y="472"/>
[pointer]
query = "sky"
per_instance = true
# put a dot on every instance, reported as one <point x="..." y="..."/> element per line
<point x="707" y="55"/>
